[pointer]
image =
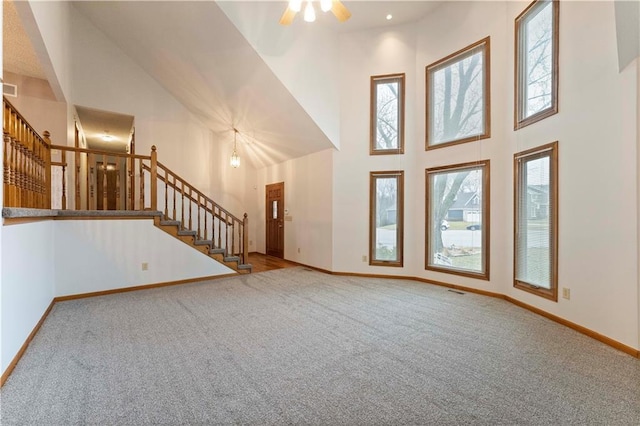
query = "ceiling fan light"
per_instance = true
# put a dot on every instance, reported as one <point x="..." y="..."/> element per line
<point x="325" y="5"/>
<point x="309" y="13"/>
<point x="295" y="5"/>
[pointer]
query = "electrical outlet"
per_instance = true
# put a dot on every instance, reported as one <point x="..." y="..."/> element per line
<point x="364" y="257"/>
<point x="566" y="293"/>
<point x="145" y="266"/>
<point x="298" y="249"/>
<point x="250" y="242"/>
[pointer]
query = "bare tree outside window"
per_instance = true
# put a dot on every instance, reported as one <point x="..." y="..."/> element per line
<point x="387" y="114"/>
<point x="386" y="218"/>
<point x="457" y="97"/>
<point x="458" y="219"/>
<point x="537" y="62"/>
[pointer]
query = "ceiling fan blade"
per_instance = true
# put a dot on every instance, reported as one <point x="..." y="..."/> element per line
<point x="340" y="10"/>
<point x="287" y="17"/>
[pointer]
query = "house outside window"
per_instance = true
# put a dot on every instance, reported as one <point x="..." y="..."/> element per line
<point x="457" y="223"/>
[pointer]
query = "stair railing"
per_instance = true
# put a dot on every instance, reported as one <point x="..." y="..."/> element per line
<point x="37" y="174"/>
<point x="27" y="158"/>
<point x="181" y="201"/>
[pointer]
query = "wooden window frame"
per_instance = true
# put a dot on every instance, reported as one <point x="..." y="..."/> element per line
<point x="486" y="69"/>
<point x="550" y="150"/>
<point x="380" y="79"/>
<point x="399" y="174"/>
<point x="519" y="121"/>
<point x="485" y="166"/>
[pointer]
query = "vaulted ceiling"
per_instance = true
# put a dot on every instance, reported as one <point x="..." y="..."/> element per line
<point x="232" y="65"/>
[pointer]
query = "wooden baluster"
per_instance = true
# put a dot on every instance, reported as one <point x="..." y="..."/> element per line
<point x="131" y="186"/>
<point x="190" y="204"/>
<point x="64" y="183"/>
<point x="166" y="193"/>
<point x="233" y="237"/>
<point x="91" y="182"/>
<point x="182" y="206"/>
<point x="6" y="171"/>
<point x="118" y="183"/>
<point x="205" y="219"/>
<point x="104" y="182"/>
<point x="198" y="215"/>
<point x="245" y="239"/>
<point x="76" y="167"/>
<point x="141" y="206"/>
<point x="175" y="188"/>
<point x="154" y="178"/>
<point x="219" y="228"/>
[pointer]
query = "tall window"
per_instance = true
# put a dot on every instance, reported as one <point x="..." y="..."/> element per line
<point x="458" y="97"/>
<point x="386" y="218"/>
<point x="457" y="225"/>
<point x="387" y="114"/>
<point x="536" y="221"/>
<point x="536" y="62"/>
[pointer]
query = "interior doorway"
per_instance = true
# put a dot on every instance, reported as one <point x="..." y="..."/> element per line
<point x="275" y="219"/>
<point x="108" y="189"/>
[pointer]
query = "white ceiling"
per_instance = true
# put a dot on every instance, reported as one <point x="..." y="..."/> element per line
<point x="97" y="123"/>
<point x="19" y="57"/>
<point x="195" y="51"/>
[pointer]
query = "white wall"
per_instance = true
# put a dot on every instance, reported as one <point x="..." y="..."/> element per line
<point x="37" y="103"/>
<point x="27" y="266"/>
<point x="308" y="187"/>
<point x="106" y="78"/>
<point x="66" y="257"/>
<point x="596" y="128"/>
<point x="96" y="255"/>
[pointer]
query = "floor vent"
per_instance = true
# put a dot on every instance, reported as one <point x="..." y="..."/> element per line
<point x="456" y="291"/>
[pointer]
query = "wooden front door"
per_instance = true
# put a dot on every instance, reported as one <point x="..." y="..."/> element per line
<point x="275" y="219"/>
<point x="107" y="188"/>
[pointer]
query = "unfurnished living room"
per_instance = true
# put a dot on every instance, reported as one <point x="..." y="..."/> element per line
<point x="320" y="212"/>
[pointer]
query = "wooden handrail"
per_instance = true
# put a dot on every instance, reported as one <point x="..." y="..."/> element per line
<point x="97" y="152"/>
<point x="27" y="176"/>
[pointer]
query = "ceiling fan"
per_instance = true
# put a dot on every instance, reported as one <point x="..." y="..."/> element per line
<point x="295" y="6"/>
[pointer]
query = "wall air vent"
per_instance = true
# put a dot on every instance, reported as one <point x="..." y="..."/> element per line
<point x="10" y="90"/>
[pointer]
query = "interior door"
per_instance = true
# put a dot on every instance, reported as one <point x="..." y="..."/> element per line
<point x="110" y="186"/>
<point x="275" y="219"/>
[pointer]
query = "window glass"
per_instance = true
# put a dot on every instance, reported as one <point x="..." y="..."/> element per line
<point x="536" y="62"/>
<point x="535" y="239"/>
<point x="386" y="227"/>
<point x="387" y="114"/>
<point x="458" y="91"/>
<point x="457" y="219"/>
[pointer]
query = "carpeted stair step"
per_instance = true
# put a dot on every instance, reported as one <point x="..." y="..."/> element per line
<point x="232" y="258"/>
<point x="245" y="267"/>
<point x="217" y="251"/>
<point x="170" y="223"/>
<point x="187" y="233"/>
<point x="203" y="243"/>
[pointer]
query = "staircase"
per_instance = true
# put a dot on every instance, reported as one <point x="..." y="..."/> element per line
<point x="189" y="237"/>
<point x="33" y="165"/>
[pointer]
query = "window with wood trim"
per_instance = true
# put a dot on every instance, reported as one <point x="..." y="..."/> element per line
<point x="387" y="114"/>
<point x="457" y="226"/>
<point x="458" y="107"/>
<point x="536" y="68"/>
<point x="536" y="221"/>
<point x="386" y="218"/>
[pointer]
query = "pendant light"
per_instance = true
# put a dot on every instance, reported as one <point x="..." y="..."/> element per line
<point x="235" y="158"/>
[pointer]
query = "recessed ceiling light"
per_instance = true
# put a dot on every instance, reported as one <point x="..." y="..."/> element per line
<point x="389" y="17"/>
